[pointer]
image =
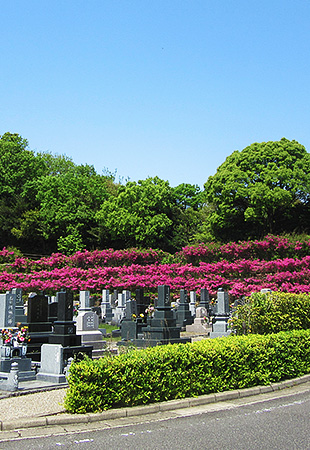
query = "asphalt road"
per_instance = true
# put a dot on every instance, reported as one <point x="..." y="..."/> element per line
<point x="281" y="422"/>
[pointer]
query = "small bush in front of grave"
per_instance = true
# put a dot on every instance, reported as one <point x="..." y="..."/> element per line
<point x="271" y="313"/>
<point x="169" y="372"/>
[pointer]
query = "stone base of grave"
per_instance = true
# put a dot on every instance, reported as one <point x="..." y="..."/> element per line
<point x="219" y="327"/>
<point x="52" y="378"/>
<point x="198" y="327"/>
<point x="35" y="343"/>
<point x="24" y="368"/>
<point x="94" y="339"/>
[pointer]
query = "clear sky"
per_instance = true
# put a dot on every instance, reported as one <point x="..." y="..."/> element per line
<point x="164" y="88"/>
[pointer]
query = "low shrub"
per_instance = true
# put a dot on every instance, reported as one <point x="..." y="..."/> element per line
<point x="271" y="313"/>
<point x="169" y="372"/>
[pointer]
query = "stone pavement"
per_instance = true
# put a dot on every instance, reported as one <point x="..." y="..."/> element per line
<point x="41" y="407"/>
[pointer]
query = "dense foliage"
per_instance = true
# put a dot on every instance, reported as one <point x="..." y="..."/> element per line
<point x="177" y="371"/>
<point x="262" y="189"/>
<point x="48" y="203"/>
<point x="272" y="312"/>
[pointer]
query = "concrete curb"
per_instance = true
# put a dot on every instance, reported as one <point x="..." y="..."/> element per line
<point x="69" y="419"/>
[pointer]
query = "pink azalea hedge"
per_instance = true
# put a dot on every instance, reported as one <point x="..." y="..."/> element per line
<point x="240" y="268"/>
<point x="240" y="277"/>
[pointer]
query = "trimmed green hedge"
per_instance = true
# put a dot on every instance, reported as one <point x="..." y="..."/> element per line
<point x="271" y="313"/>
<point x="169" y="372"/>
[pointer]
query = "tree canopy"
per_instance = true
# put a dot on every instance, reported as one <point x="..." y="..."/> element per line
<point x="263" y="188"/>
<point x="48" y="203"/>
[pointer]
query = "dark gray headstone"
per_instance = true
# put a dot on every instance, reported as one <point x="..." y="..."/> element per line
<point x="163" y="300"/>
<point x="37" y="309"/>
<point x="65" y="306"/>
<point x="131" y="309"/>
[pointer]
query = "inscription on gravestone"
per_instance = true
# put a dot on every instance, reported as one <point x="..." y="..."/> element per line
<point x="163" y="297"/>
<point x="37" y="309"/>
<point x="7" y="310"/>
<point x="90" y="321"/>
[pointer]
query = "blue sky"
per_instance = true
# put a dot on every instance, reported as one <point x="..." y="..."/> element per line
<point x="164" y="88"/>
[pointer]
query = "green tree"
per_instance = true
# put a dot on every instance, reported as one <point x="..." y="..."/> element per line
<point x="141" y="215"/>
<point x="19" y="167"/>
<point x="263" y="188"/>
<point x="189" y="196"/>
<point x="69" y="200"/>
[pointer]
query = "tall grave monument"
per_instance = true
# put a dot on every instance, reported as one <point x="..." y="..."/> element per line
<point x="87" y="324"/>
<point x="162" y="328"/>
<point x="220" y="320"/>
<point x="65" y="328"/>
<point x="183" y="313"/>
<point x="38" y="325"/>
<point x="20" y="317"/>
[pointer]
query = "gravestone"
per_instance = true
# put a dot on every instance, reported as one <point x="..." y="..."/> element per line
<point x="9" y="355"/>
<point x="52" y="311"/>
<point x="222" y="312"/>
<point x="142" y="304"/>
<point x="7" y="310"/>
<point x="204" y="299"/>
<point x="200" y="325"/>
<point x="119" y="311"/>
<point x="64" y="332"/>
<point x="38" y="325"/>
<point x="12" y="352"/>
<point x="129" y="323"/>
<point x="183" y="314"/>
<point x="20" y="317"/>
<point x="65" y="328"/>
<point x="37" y="314"/>
<point x="192" y="302"/>
<point x="87" y="323"/>
<point x="52" y="364"/>
<point x="106" y="308"/>
<point x="162" y="329"/>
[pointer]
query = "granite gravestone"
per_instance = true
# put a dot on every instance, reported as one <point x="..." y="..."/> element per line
<point x="183" y="313"/>
<point x="20" y="317"/>
<point x="222" y="311"/>
<point x="106" y="308"/>
<point x="7" y="310"/>
<point x="200" y="325"/>
<point x="87" y="323"/>
<point x="192" y="302"/>
<point x="64" y="327"/>
<point x="129" y="323"/>
<point x="52" y="364"/>
<point x="143" y="303"/>
<point x="38" y="325"/>
<point x="162" y="329"/>
<point x="9" y="353"/>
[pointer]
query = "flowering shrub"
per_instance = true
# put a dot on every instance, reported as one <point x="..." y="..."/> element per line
<point x="272" y="247"/>
<point x="241" y="277"/>
<point x="241" y="268"/>
<point x="6" y="256"/>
